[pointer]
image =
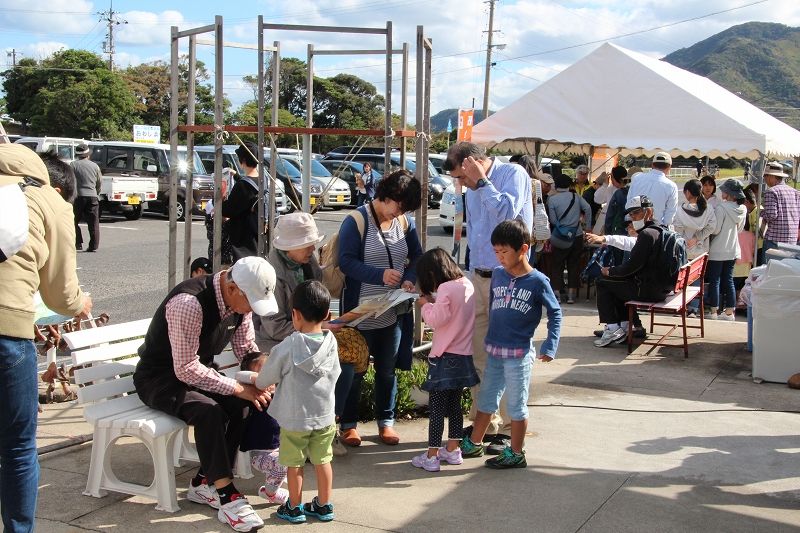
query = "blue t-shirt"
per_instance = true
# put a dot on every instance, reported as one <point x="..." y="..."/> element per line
<point x="515" y="310"/>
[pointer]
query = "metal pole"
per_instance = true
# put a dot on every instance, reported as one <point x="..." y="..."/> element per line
<point x="189" y="207"/>
<point x="306" y="184"/>
<point x="404" y="106"/>
<point x="387" y="140"/>
<point x="276" y="69"/>
<point x="424" y="139"/>
<point x="173" y="171"/>
<point x="763" y="165"/>
<point x="488" y="74"/>
<point x="218" y="96"/>
<point x="260" y="150"/>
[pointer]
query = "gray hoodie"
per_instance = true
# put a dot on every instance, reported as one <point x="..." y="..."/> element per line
<point x="730" y="221"/>
<point x="305" y="371"/>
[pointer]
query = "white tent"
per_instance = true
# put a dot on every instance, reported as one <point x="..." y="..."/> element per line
<point x="624" y="100"/>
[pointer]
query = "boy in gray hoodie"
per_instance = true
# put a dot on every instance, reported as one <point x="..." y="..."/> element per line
<point x="305" y="367"/>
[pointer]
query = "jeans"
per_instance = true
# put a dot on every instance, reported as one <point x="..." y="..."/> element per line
<point x="512" y="376"/>
<point x="383" y="344"/>
<point x="721" y="292"/>
<point x="19" y="464"/>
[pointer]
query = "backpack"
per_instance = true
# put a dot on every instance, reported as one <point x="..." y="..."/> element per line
<point x="672" y="254"/>
<point x="14" y="217"/>
<point x="602" y="257"/>
<point x="332" y="275"/>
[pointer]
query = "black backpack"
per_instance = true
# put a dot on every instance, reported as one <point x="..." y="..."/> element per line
<point x="672" y="253"/>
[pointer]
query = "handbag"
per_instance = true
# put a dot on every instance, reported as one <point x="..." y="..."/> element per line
<point x="541" y="224"/>
<point x="562" y="232"/>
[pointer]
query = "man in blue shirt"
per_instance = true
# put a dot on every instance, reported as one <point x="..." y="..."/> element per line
<point x="496" y="192"/>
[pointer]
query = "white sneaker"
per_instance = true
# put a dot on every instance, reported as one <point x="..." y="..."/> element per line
<point x="240" y="515"/>
<point x="281" y="495"/>
<point x="337" y="446"/>
<point x="727" y="317"/>
<point x="610" y="336"/>
<point x="431" y="464"/>
<point x="204" y="494"/>
<point x="711" y="315"/>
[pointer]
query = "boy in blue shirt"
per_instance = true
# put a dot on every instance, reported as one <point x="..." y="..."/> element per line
<point x="518" y="292"/>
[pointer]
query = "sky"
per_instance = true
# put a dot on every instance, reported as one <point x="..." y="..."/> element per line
<point x="540" y="38"/>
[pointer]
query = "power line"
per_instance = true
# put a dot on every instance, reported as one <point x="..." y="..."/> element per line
<point x="112" y="20"/>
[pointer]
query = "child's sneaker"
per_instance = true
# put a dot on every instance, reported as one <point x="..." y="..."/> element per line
<point x="470" y="449"/>
<point x="431" y="464"/>
<point x="203" y="493"/>
<point x="281" y="496"/>
<point x="451" y="458"/>
<point x="295" y="515"/>
<point x="508" y="459"/>
<point x="240" y="515"/>
<point x="320" y="512"/>
<point x="336" y="446"/>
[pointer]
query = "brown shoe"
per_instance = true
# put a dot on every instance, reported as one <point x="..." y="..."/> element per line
<point x="351" y="437"/>
<point x="389" y="436"/>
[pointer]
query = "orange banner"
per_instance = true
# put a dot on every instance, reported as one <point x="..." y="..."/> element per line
<point x="465" y="120"/>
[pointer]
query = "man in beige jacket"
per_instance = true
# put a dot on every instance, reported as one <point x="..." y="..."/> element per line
<point x="46" y="262"/>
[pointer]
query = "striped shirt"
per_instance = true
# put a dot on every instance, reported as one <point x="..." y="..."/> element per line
<point x="781" y="213"/>
<point x="375" y="255"/>
<point x="184" y="322"/>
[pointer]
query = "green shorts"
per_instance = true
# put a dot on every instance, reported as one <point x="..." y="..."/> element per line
<point x="315" y="445"/>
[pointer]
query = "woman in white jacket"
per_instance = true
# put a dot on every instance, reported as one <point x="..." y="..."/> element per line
<point x="696" y="221"/>
<point x="724" y="250"/>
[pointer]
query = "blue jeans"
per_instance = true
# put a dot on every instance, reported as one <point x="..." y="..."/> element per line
<point x="721" y="292"/>
<point x="383" y="344"/>
<point x="19" y="464"/>
<point x="512" y="376"/>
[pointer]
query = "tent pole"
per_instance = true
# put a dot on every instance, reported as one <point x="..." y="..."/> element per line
<point x="762" y="165"/>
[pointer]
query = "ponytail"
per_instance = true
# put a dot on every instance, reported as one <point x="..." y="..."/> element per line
<point x="695" y="188"/>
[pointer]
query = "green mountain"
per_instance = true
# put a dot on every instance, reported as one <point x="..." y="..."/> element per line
<point x="439" y="120"/>
<point x="758" y="61"/>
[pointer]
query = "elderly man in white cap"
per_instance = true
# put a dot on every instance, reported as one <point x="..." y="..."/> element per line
<point x="656" y="185"/>
<point x="292" y="255"/>
<point x="175" y="373"/>
<point x="781" y="208"/>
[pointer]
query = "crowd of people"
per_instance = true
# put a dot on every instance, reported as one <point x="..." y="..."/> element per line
<point x="302" y="394"/>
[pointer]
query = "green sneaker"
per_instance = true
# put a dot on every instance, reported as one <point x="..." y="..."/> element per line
<point x="508" y="459"/>
<point x="470" y="449"/>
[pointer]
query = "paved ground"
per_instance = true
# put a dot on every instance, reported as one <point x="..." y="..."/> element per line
<point x="617" y="443"/>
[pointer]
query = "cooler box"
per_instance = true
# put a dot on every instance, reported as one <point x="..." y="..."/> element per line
<point x="776" y="335"/>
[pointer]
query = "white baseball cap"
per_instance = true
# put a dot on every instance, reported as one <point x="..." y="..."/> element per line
<point x="662" y="157"/>
<point x="256" y="278"/>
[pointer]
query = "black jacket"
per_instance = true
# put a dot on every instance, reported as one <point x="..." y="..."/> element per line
<point x="643" y="264"/>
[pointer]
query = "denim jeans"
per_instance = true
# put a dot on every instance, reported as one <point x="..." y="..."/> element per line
<point x="721" y="292"/>
<point x="383" y="344"/>
<point x="512" y="376"/>
<point x="19" y="464"/>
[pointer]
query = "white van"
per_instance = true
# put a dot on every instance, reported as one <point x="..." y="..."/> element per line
<point x="63" y="146"/>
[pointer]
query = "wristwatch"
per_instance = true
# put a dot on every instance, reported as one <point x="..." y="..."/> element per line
<point x="481" y="182"/>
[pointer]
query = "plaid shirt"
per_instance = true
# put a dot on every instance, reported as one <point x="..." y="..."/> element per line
<point x="184" y="322"/>
<point x="505" y="353"/>
<point x="782" y="213"/>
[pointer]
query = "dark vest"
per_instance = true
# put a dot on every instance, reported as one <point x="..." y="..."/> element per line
<point x="155" y="355"/>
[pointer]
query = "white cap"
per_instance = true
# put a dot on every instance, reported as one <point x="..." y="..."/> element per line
<point x="662" y="157"/>
<point x="256" y="278"/>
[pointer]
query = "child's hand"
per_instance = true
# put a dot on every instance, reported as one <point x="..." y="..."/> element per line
<point x="423" y="300"/>
<point x="408" y="286"/>
<point x="545" y="358"/>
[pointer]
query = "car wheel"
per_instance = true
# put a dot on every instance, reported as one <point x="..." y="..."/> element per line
<point x="133" y="214"/>
<point x="179" y="209"/>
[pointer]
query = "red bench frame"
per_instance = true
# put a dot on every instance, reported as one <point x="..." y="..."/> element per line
<point x="673" y="305"/>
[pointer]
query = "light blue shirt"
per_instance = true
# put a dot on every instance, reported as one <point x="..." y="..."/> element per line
<point x="661" y="190"/>
<point x="507" y="196"/>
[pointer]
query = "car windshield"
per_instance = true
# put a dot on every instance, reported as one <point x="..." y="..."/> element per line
<point x="317" y="169"/>
<point x="284" y="168"/>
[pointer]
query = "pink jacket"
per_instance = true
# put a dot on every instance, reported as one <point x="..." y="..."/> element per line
<point x="452" y="318"/>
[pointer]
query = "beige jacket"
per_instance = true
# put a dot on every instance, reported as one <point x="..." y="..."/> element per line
<point x="47" y="260"/>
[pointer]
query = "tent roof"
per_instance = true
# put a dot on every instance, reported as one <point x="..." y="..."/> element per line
<point x="624" y="100"/>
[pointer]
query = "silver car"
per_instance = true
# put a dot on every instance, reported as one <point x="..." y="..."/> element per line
<point x="337" y="192"/>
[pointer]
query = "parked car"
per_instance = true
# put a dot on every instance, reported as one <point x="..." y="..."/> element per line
<point x="231" y="160"/>
<point x="291" y="174"/>
<point x="346" y="171"/>
<point x="337" y="194"/>
<point x="64" y="147"/>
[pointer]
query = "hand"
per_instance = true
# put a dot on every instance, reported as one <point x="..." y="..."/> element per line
<point x="604" y="271"/>
<point x="473" y="171"/>
<point x="259" y="398"/>
<point x="87" y="308"/>
<point x="408" y="286"/>
<point x="591" y="238"/>
<point x="423" y="300"/>
<point x="335" y="326"/>
<point x="691" y="243"/>
<point x="545" y="358"/>
<point x="391" y="277"/>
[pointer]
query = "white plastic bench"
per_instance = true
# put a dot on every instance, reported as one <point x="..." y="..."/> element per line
<point x="105" y="359"/>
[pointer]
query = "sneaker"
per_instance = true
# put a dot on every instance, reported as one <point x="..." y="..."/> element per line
<point x="609" y="337"/>
<point x="431" y="464"/>
<point x="320" y="512"/>
<point x="295" y="515"/>
<point x="239" y="514"/>
<point x="638" y="332"/>
<point x="711" y="315"/>
<point x="727" y="317"/>
<point x="337" y="446"/>
<point x="281" y="496"/>
<point x="691" y="313"/>
<point x="470" y="449"/>
<point x="451" y="458"/>
<point x="507" y="459"/>
<point x="203" y="493"/>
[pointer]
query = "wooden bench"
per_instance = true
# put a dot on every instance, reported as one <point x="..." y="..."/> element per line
<point x="105" y="359"/>
<point x="673" y="305"/>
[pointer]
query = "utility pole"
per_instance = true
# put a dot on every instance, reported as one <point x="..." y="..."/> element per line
<point x="112" y="20"/>
<point x="13" y="55"/>
<point x="488" y="74"/>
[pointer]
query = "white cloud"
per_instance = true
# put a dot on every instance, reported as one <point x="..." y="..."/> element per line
<point x="42" y="50"/>
<point x="147" y="28"/>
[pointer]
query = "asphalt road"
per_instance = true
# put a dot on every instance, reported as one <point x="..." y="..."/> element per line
<point x="127" y="276"/>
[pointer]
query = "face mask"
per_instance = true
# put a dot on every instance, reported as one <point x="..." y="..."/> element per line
<point x="638" y="224"/>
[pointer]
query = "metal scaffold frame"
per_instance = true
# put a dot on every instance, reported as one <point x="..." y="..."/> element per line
<point x="422" y="133"/>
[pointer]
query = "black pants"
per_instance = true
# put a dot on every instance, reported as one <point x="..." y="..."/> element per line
<point x="218" y="420"/>
<point x="87" y="209"/>
<point x="445" y="403"/>
<point x="612" y="295"/>
<point x="572" y="257"/>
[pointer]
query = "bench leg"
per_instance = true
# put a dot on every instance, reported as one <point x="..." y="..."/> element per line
<point x="242" y="469"/>
<point x="97" y="463"/>
<point x="630" y="329"/>
<point x="164" y="475"/>
<point x="685" y="338"/>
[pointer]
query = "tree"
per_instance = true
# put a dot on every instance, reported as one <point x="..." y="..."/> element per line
<point x="247" y="115"/>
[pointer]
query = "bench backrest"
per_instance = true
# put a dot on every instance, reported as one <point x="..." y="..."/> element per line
<point x="696" y="268"/>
